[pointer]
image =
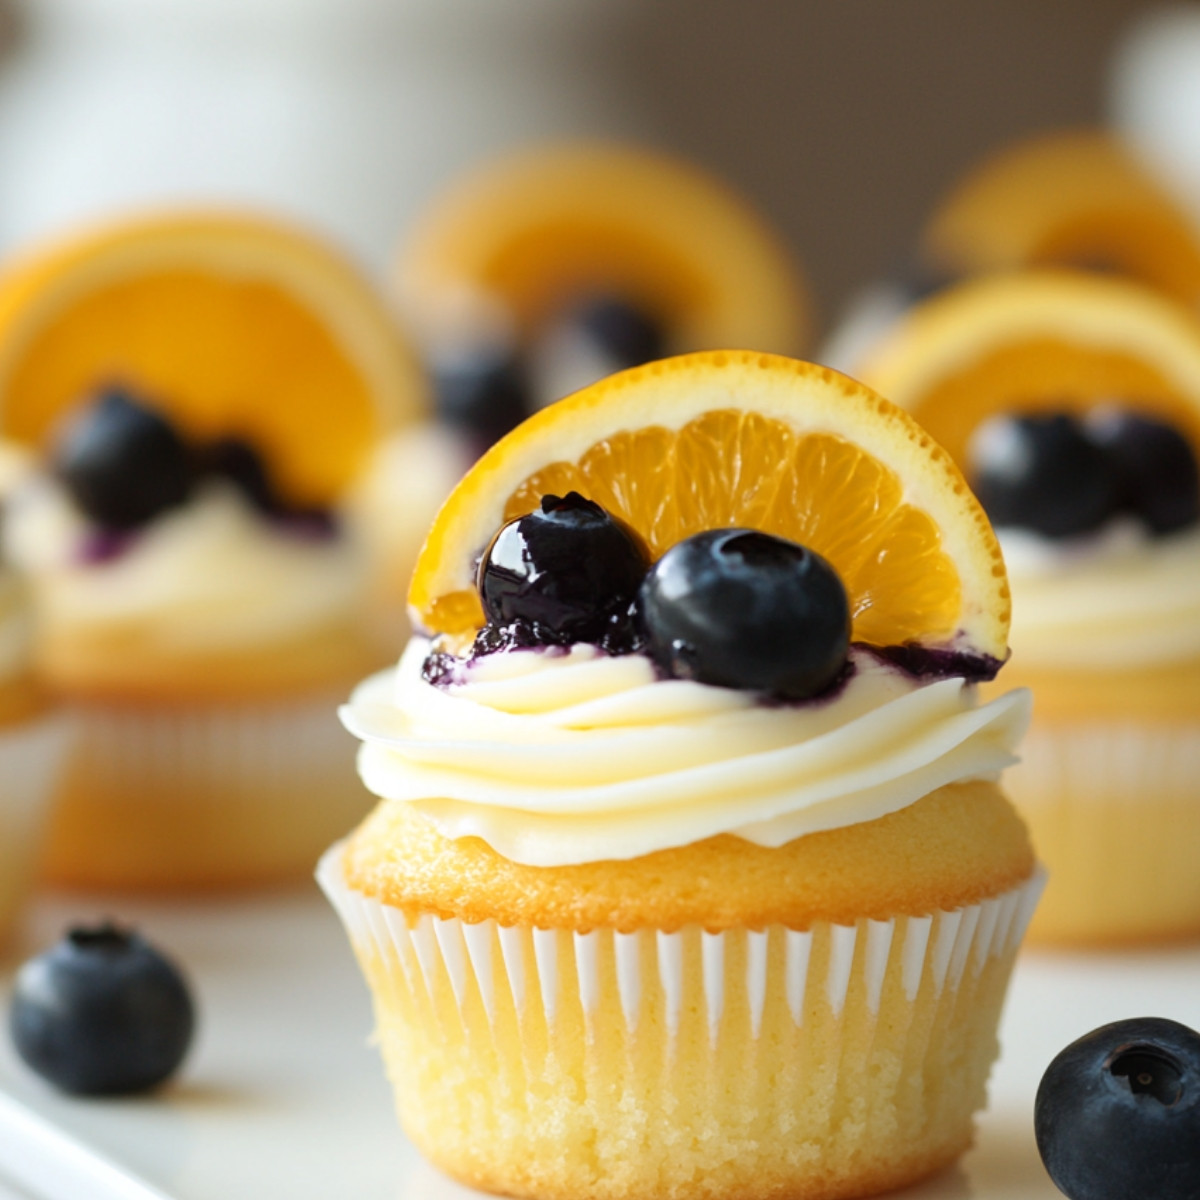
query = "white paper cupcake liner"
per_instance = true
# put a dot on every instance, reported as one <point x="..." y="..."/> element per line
<point x="542" y="966"/>
<point x="32" y="756"/>
<point x="246" y="787"/>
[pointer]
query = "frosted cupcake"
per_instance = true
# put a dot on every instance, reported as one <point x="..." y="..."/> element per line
<point x="1078" y="199"/>
<point x="694" y="878"/>
<point x="1073" y="404"/>
<point x="203" y="390"/>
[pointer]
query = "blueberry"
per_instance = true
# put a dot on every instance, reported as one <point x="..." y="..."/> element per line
<point x="240" y="463"/>
<point x="1117" y="1113"/>
<point x="1156" y="468"/>
<point x="1042" y="472"/>
<point x="101" y="1013"/>
<point x="122" y="462"/>
<point x="481" y="392"/>
<point x="568" y="570"/>
<point x="627" y="335"/>
<point x="742" y="609"/>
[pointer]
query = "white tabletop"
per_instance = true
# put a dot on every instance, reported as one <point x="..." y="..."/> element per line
<point x="283" y="1095"/>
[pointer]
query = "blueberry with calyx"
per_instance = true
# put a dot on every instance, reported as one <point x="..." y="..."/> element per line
<point x="1042" y="472"/>
<point x="1155" y="465"/>
<point x="743" y="609"/>
<point x="481" y="391"/>
<point x="568" y="570"/>
<point x="626" y="334"/>
<point x="1117" y="1113"/>
<point x="122" y="462"/>
<point x="102" y="1013"/>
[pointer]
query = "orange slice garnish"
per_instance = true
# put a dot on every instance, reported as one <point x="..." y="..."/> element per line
<point x="235" y="324"/>
<point x="723" y="438"/>
<point x="1077" y="199"/>
<point x="540" y="227"/>
<point x="1039" y="341"/>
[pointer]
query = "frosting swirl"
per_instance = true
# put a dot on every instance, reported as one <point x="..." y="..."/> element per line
<point x="563" y="756"/>
<point x="209" y="575"/>
<point x="1120" y="600"/>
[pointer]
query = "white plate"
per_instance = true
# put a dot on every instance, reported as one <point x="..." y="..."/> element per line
<point x="284" y="1097"/>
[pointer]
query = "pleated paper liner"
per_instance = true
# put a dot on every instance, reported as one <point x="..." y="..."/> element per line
<point x="32" y="755"/>
<point x="1114" y="811"/>
<point x="813" y="1063"/>
<point x="205" y="796"/>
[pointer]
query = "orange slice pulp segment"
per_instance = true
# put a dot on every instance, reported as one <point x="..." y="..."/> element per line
<point x="723" y="439"/>
<point x="236" y="325"/>
<point x="1040" y="341"/>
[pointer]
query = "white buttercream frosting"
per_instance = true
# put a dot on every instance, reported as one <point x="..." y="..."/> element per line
<point x="211" y="574"/>
<point x="1117" y="600"/>
<point x="564" y="756"/>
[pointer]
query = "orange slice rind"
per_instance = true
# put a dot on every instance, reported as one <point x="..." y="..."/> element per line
<point x="236" y="324"/>
<point x="735" y="438"/>
<point x="1069" y="199"/>
<point x="538" y="227"/>
<point x="1039" y="341"/>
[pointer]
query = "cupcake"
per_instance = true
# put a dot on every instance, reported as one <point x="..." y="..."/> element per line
<point x="1072" y="404"/>
<point x="1077" y="199"/>
<point x="691" y="875"/>
<point x="203" y="390"/>
<point x="33" y="736"/>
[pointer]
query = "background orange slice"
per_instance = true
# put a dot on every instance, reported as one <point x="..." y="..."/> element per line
<point x="1072" y="199"/>
<point x="1039" y="340"/>
<point x="540" y="227"/>
<point x="235" y="324"/>
<point x="718" y="439"/>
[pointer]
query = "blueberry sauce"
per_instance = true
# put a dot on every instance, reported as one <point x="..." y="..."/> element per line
<point x="924" y="662"/>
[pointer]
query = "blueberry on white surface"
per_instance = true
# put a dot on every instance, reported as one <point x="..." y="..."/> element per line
<point x="1155" y="466"/>
<point x="1117" y="1114"/>
<point x="102" y="1013"/>
<point x="567" y="569"/>
<point x="743" y="609"/>
<point x="123" y="462"/>
<point x="237" y="461"/>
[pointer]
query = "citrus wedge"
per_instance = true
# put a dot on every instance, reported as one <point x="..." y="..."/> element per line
<point x="719" y="439"/>
<point x="539" y="227"/>
<point x="1077" y="199"/>
<point x="1039" y="340"/>
<point x="233" y="323"/>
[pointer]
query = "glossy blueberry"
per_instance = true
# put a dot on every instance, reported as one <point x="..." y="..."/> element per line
<point x="101" y="1013"/>
<point x="482" y="392"/>
<point x="1042" y="472"/>
<point x="1155" y="465"/>
<point x="743" y="609"/>
<point x="567" y="570"/>
<point x="626" y="334"/>
<point x="1117" y="1114"/>
<point x="122" y="462"/>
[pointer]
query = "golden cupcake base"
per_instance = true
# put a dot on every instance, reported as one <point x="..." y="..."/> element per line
<point x="837" y="1061"/>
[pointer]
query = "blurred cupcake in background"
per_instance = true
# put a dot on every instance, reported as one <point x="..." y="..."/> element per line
<point x="33" y="731"/>
<point x="1079" y="199"/>
<point x="204" y="389"/>
<point x="548" y="268"/>
<point x="1072" y="403"/>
